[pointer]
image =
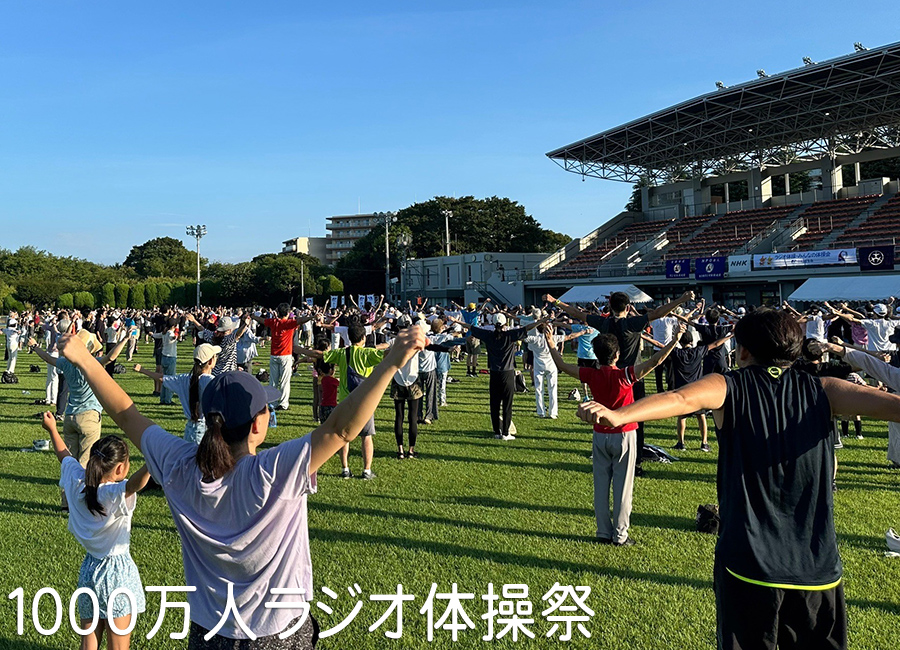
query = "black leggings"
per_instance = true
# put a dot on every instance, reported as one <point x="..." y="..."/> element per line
<point x="640" y="392"/>
<point x="400" y="406"/>
<point x="503" y="388"/>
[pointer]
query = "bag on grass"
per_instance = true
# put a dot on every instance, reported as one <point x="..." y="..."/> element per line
<point x="34" y="368"/>
<point x="574" y="395"/>
<point x="708" y="519"/>
<point x="118" y="369"/>
<point x="520" y="383"/>
<point x="263" y="376"/>
<point x="8" y="378"/>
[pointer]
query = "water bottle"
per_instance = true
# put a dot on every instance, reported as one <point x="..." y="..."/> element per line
<point x="273" y="419"/>
<point x="26" y="392"/>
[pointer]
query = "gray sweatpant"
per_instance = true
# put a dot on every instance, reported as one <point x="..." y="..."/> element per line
<point x="614" y="455"/>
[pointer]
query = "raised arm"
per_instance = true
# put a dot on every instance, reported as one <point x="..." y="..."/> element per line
<point x="558" y="360"/>
<point x="571" y="312"/>
<point x="659" y="312"/>
<point x="113" y="354"/>
<point x="352" y="413"/>
<point x="717" y="344"/>
<point x="644" y="368"/>
<point x="706" y="394"/>
<point x="114" y="400"/>
<point x="48" y="421"/>
<point x="137" y="482"/>
<point x="43" y="354"/>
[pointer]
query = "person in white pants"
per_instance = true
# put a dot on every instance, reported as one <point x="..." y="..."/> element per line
<point x="283" y="329"/>
<point x="12" y="343"/>
<point x="545" y="372"/>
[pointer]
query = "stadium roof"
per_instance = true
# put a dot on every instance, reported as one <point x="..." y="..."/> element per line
<point x="841" y="106"/>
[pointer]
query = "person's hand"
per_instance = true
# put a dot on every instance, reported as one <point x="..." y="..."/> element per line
<point x="687" y="296"/>
<point x="548" y="298"/>
<point x="48" y="421"/>
<point x="817" y="347"/>
<point x="31" y="342"/>
<point x="680" y="329"/>
<point x="137" y="367"/>
<point x="72" y="348"/>
<point x="549" y="336"/>
<point x="595" y="413"/>
<point x="407" y="343"/>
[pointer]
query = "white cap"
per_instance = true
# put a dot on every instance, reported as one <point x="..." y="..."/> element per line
<point x="880" y="309"/>
<point x="204" y="352"/>
<point x="226" y="324"/>
<point x="500" y="319"/>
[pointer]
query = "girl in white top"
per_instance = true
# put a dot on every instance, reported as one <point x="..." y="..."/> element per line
<point x="101" y="503"/>
<point x="189" y="387"/>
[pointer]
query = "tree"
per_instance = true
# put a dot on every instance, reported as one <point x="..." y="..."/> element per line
<point x="231" y="284"/>
<point x="65" y="301"/>
<point x="163" y="257"/>
<point x="152" y="297"/>
<point x="137" y="296"/>
<point x="635" y="203"/>
<point x="279" y="276"/>
<point x="122" y="291"/>
<point x="331" y="285"/>
<point x="83" y="300"/>
<point x="108" y="294"/>
<point x="495" y="224"/>
<point x="164" y="293"/>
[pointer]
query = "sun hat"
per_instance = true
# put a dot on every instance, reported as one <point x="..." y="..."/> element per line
<point x="500" y="319"/>
<point x="471" y="306"/>
<point x="226" y="324"/>
<point x="91" y="341"/>
<point x="880" y="309"/>
<point x="237" y="397"/>
<point x="204" y="352"/>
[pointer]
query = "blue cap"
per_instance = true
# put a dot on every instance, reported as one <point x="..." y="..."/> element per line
<point x="238" y="397"/>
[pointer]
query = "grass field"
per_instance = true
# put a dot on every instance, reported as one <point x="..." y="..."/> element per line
<point x="473" y="510"/>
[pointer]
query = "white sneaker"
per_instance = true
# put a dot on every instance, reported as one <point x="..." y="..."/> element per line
<point x="508" y="437"/>
<point x="553" y="417"/>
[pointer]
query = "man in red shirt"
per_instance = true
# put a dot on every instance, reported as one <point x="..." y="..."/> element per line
<point x="282" y="351"/>
<point x="615" y="448"/>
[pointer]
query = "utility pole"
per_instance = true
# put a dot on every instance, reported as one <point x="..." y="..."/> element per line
<point x="302" y="285"/>
<point x="198" y="232"/>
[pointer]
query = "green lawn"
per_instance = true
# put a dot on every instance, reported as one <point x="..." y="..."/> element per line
<point x="472" y="510"/>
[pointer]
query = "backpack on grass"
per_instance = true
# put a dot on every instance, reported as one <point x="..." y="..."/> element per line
<point x="8" y="378"/>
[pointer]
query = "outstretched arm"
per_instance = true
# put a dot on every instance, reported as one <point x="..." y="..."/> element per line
<point x="351" y="415"/>
<point x="113" y="354"/>
<point x="114" y="400"/>
<point x="43" y="354"/>
<point x="157" y="376"/>
<point x="847" y="398"/>
<point x="706" y="394"/>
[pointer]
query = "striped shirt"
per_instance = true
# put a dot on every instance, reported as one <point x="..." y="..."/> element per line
<point x="227" y="361"/>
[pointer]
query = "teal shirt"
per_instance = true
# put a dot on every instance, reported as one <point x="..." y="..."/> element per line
<point x="81" y="397"/>
<point x="585" y="342"/>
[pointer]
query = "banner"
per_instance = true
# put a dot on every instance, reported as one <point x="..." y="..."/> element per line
<point x="740" y="264"/>
<point x="876" y="258"/>
<point x="371" y="299"/>
<point x="678" y="268"/>
<point x="309" y="302"/>
<point x="709" y="268"/>
<point x="801" y="259"/>
<point x="361" y="301"/>
<point x="334" y="301"/>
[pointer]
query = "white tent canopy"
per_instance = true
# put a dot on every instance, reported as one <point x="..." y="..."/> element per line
<point x="600" y="292"/>
<point x="861" y="287"/>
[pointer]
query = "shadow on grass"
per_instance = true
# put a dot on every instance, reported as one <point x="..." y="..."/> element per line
<point x="583" y="468"/>
<point x="54" y="511"/>
<point x="513" y="559"/>
<point x="41" y="480"/>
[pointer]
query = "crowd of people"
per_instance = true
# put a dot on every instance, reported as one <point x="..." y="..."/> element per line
<point x="781" y="386"/>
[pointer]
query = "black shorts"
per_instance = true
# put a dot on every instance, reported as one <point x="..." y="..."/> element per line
<point x="753" y="616"/>
<point x="588" y="363"/>
<point x="528" y="357"/>
<point x="157" y="355"/>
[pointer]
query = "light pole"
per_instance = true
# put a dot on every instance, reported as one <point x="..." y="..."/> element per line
<point x="404" y="241"/>
<point x="197" y="232"/>
<point x="447" y="214"/>
<point x="388" y="218"/>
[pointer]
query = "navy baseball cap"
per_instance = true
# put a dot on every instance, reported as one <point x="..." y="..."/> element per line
<point x="238" y="397"/>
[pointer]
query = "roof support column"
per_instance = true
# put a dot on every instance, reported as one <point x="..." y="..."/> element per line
<point x="759" y="188"/>
<point x="832" y="178"/>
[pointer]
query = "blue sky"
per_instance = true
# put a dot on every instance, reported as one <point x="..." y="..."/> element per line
<point x="120" y="121"/>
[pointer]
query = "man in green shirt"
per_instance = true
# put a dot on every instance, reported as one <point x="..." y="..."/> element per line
<point x="361" y="360"/>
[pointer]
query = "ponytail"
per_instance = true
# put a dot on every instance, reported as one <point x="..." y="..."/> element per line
<point x="194" y="390"/>
<point x="105" y="454"/>
<point x="214" y="456"/>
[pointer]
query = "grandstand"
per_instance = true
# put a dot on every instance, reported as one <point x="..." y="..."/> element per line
<point x="716" y="178"/>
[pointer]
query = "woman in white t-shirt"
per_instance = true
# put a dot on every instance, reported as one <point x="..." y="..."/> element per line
<point x="101" y="503"/>
<point x="241" y="515"/>
<point x="189" y="387"/>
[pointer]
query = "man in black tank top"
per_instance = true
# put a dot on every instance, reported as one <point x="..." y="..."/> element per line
<point x="777" y="568"/>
